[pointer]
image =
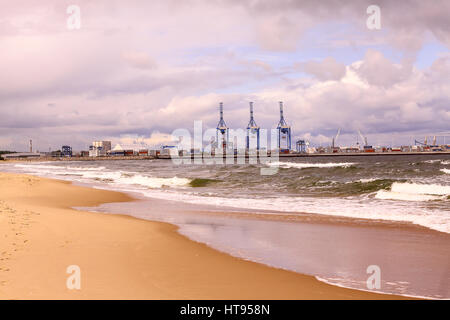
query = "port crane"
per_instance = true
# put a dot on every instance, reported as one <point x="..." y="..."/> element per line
<point x="364" y="139"/>
<point x="284" y="132"/>
<point x="425" y="142"/>
<point x="252" y="129"/>
<point x="222" y="131"/>
<point x="335" y="138"/>
<point x="416" y="142"/>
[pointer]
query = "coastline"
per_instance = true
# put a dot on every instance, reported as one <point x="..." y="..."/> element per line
<point x="122" y="257"/>
<point x="281" y="155"/>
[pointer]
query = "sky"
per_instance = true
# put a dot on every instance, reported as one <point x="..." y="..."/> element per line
<point x="135" y="71"/>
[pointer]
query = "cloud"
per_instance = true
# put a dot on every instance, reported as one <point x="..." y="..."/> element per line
<point x="139" y="60"/>
<point x="143" y="67"/>
<point x="327" y="69"/>
<point x="377" y="70"/>
<point x="279" y="32"/>
<point x="405" y="23"/>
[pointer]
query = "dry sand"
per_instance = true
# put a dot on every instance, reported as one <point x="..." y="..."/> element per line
<point x="122" y="257"/>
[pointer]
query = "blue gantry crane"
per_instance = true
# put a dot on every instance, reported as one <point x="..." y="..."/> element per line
<point x="252" y="130"/>
<point x="284" y="133"/>
<point x="301" y="145"/>
<point x="222" y="131"/>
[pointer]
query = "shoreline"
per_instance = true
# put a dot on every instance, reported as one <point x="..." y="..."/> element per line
<point x="280" y="155"/>
<point x="116" y="253"/>
<point x="271" y="215"/>
<point x="311" y="244"/>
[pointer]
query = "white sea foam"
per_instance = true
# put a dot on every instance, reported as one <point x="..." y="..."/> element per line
<point x="390" y="195"/>
<point x="37" y="166"/>
<point x="59" y="168"/>
<point x="85" y="168"/>
<point x="447" y="171"/>
<point x="346" y="283"/>
<point x="362" y="180"/>
<point x="377" y="207"/>
<point x="134" y="179"/>
<point x="99" y="174"/>
<point x="414" y="192"/>
<point x="367" y="180"/>
<point x="153" y="182"/>
<point x="419" y="188"/>
<point x="96" y="175"/>
<point x="444" y="162"/>
<point x="432" y="161"/>
<point x="299" y="165"/>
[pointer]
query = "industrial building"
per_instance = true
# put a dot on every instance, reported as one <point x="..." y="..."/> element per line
<point x="129" y="150"/>
<point x="21" y="155"/>
<point x="66" y="151"/>
<point x="99" y="148"/>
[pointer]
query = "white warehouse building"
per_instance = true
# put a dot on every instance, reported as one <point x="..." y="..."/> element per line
<point x="99" y="148"/>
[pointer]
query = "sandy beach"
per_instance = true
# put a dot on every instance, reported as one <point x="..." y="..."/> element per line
<point x="121" y="257"/>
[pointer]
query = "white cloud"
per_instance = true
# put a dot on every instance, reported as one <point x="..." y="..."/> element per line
<point x="327" y="69"/>
<point x="139" y="60"/>
<point x="377" y="70"/>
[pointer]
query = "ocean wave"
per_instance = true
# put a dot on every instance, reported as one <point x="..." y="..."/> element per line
<point x="133" y="179"/>
<point x="390" y="195"/>
<point x="298" y="165"/>
<point x="153" y="182"/>
<point x="366" y="180"/>
<point x="201" y="182"/>
<point x="40" y="167"/>
<point x="345" y="207"/>
<point x="364" y="197"/>
<point x="414" y="192"/>
<point x="362" y="186"/>
<point x="447" y="171"/>
<point x="419" y="188"/>
<point x="85" y="168"/>
<point x="444" y="162"/>
<point x="432" y="161"/>
<point x="36" y="166"/>
<point x="99" y="174"/>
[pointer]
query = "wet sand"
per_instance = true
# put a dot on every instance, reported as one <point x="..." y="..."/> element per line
<point x="121" y="257"/>
<point x="413" y="259"/>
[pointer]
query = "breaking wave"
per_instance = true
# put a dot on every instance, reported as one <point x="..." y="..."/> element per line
<point x="414" y="192"/>
<point x="444" y="162"/>
<point x="388" y="192"/>
<point x="112" y="177"/>
<point x="310" y="165"/>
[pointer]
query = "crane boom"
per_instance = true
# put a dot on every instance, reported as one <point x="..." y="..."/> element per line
<point x="364" y="139"/>
<point x="335" y="138"/>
